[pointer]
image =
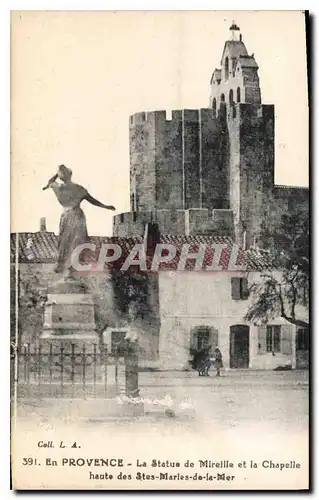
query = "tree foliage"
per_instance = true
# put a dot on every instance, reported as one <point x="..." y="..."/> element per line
<point x="131" y="290"/>
<point x="31" y="300"/>
<point x="284" y="286"/>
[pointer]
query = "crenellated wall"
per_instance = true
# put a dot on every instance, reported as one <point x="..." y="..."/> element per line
<point x="178" y="160"/>
<point x="194" y="221"/>
<point x="130" y="223"/>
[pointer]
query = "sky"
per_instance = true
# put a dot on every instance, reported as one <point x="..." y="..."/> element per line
<point x="77" y="76"/>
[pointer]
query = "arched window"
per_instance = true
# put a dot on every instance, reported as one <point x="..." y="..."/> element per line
<point x="132" y="202"/>
<point x="231" y="96"/>
<point x="234" y="61"/>
<point x="214" y="106"/>
<point x="226" y="68"/>
<point x="222" y="98"/>
<point x="238" y="94"/>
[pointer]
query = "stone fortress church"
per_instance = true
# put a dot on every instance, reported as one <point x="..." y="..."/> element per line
<point x="200" y="176"/>
<point x="208" y="171"/>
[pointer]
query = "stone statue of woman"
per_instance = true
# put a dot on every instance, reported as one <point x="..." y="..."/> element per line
<point x="72" y="229"/>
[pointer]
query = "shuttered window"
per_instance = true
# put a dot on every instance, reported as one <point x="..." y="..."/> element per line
<point x="262" y="343"/>
<point x="302" y="339"/>
<point x="273" y="338"/>
<point x="239" y="288"/>
<point x="235" y="288"/>
<point x="244" y="288"/>
<point x="286" y="339"/>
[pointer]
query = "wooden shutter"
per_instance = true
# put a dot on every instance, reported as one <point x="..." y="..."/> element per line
<point x="235" y="288"/>
<point x="302" y="339"/>
<point x="262" y="339"/>
<point x="193" y="340"/>
<point x="213" y="341"/>
<point x="286" y="339"/>
<point x="244" y="288"/>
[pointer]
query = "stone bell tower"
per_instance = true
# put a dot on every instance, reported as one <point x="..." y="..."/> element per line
<point x="235" y="94"/>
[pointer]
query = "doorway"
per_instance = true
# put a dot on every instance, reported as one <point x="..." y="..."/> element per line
<point x="203" y="337"/>
<point x="239" y="346"/>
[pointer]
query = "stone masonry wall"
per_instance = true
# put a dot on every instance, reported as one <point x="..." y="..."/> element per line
<point x="142" y="160"/>
<point x="178" y="163"/>
<point x="169" y="160"/>
<point x="256" y="165"/>
<point x="214" y="160"/>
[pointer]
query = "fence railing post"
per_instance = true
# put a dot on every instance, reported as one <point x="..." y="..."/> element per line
<point x="39" y="366"/>
<point x="84" y="367"/>
<point x="72" y="367"/>
<point x="28" y="359"/>
<point x="116" y="369"/>
<point x="94" y="369"/>
<point x="131" y="369"/>
<point x="62" y="366"/>
<point x="105" y="359"/>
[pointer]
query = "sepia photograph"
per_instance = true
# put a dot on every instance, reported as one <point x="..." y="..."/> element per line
<point x="159" y="250"/>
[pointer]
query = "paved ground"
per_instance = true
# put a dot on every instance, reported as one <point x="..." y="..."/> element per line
<point x="240" y="416"/>
<point x="237" y="398"/>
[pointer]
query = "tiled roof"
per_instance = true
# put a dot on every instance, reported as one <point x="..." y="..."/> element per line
<point x="194" y="243"/>
<point x="258" y="260"/>
<point x="41" y="247"/>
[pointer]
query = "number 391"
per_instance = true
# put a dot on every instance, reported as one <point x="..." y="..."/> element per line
<point x="29" y="461"/>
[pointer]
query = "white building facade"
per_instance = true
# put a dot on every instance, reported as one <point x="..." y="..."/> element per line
<point x="198" y="308"/>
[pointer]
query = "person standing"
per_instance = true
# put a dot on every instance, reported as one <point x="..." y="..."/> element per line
<point x="218" y="361"/>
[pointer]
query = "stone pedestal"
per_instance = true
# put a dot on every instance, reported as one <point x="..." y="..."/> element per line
<point x="69" y="312"/>
<point x="71" y="360"/>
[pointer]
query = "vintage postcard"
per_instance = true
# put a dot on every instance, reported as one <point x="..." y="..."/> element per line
<point x="159" y="250"/>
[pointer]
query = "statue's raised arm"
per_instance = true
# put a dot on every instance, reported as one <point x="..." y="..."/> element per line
<point x="50" y="182"/>
<point x="72" y="229"/>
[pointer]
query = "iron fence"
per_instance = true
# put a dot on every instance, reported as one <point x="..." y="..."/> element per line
<point x="59" y="369"/>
